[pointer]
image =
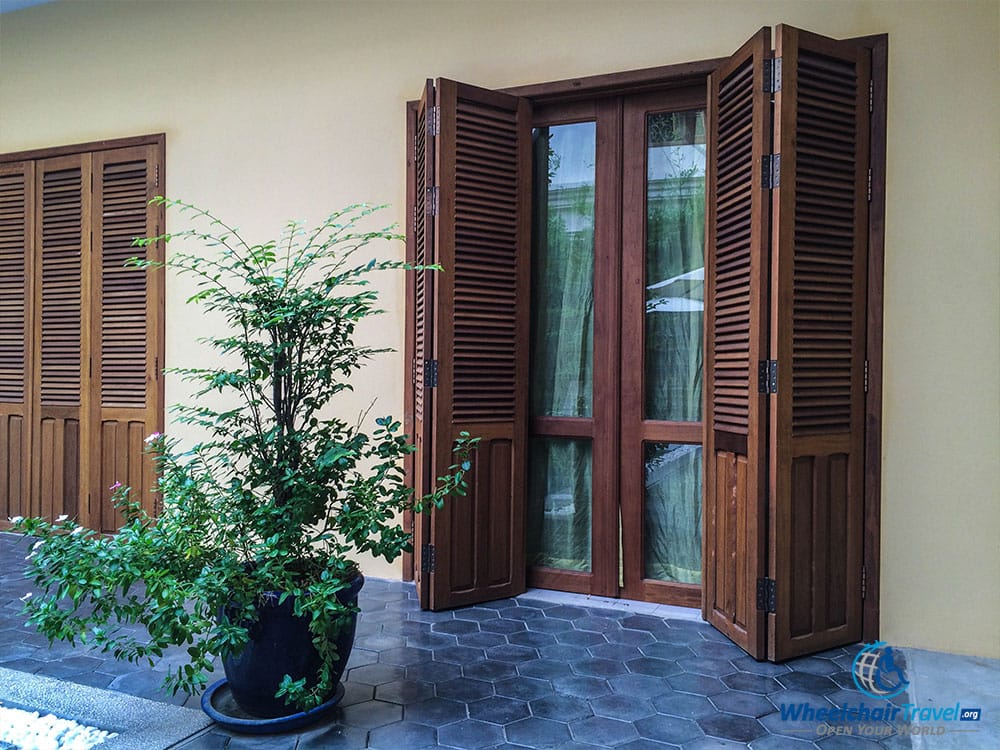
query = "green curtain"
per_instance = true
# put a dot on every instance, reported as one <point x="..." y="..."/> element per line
<point x="675" y="272"/>
<point x="562" y="343"/>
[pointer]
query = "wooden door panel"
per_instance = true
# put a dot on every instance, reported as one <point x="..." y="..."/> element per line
<point x="736" y="320"/>
<point x="476" y="549"/>
<point x="56" y="472"/>
<point x="420" y="319"/>
<point x="13" y="462"/>
<point x="126" y="345"/>
<point x="819" y="264"/>
<point x="480" y="203"/>
<point x="16" y="284"/>
<point x="61" y="373"/>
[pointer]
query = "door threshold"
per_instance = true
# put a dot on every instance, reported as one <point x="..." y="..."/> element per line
<point x="620" y="605"/>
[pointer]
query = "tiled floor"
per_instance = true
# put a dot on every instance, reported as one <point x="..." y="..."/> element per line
<point x="530" y="672"/>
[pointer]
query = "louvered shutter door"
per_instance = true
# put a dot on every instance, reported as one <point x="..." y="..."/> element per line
<point x="16" y="243"/>
<point x="736" y="303"/>
<point x="62" y="319"/>
<point x="126" y="337"/>
<point x="480" y="339"/>
<point x="420" y="251"/>
<point x="820" y="229"/>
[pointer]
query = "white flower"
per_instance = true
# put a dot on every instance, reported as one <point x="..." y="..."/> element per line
<point x="60" y="519"/>
<point x="153" y="437"/>
<point x="15" y="519"/>
<point x="34" y="549"/>
<point x="26" y="597"/>
<point x="77" y="530"/>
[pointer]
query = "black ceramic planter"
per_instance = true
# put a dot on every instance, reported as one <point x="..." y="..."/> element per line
<point x="280" y="643"/>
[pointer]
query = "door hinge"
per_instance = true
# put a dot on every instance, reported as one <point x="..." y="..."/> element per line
<point x="871" y="95"/>
<point x="431" y="203"/>
<point x="156" y="176"/>
<point x="770" y="171"/>
<point x="869" y="184"/>
<point x="413" y="371"/>
<point x="767" y="376"/>
<point x="864" y="581"/>
<point x="433" y="121"/>
<point x="772" y="75"/>
<point x="766" y="595"/>
<point x="430" y="373"/>
<point x="428" y="558"/>
<point x="866" y="376"/>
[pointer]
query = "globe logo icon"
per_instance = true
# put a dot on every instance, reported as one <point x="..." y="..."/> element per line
<point x="876" y="673"/>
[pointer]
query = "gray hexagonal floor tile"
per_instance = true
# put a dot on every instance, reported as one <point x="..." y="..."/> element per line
<point x="499" y="710"/>
<point x="603" y="732"/>
<point x="538" y="733"/>
<point x="470" y="734"/>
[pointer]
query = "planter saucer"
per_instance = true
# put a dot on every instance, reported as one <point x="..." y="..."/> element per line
<point x="217" y="701"/>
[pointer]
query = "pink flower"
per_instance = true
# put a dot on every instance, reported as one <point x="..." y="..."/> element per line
<point x="115" y="486"/>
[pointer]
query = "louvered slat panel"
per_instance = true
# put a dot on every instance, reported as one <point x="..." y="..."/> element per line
<point x="123" y="291"/>
<point x="486" y="232"/>
<point x="61" y="286"/>
<point x="420" y="258"/>
<point x="825" y="217"/>
<point x="14" y="223"/>
<point x="731" y="369"/>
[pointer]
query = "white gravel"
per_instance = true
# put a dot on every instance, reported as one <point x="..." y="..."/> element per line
<point x="28" y="730"/>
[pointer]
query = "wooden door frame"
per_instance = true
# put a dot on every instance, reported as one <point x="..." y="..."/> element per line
<point x="696" y="72"/>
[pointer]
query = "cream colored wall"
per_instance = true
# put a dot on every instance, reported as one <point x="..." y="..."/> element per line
<point x="276" y="110"/>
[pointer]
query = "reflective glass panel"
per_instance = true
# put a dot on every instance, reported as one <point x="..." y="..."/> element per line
<point x="675" y="265"/>
<point x="559" y="503"/>
<point x="672" y="512"/>
<point x="562" y="282"/>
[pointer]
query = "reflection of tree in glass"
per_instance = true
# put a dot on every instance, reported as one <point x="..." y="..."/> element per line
<point x="675" y="216"/>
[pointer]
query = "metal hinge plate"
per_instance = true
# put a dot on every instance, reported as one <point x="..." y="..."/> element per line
<point x="156" y="176"/>
<point x="772" y="75"/>
<point x="864" y="581"/>
<point x="428" y="558"/>
<point x="770" y="171"/>
<point x="866" y="376"/>
<point x="767" y="376"/>
<point x="871" y="95"/>
<point x="430" y="373"/>
<point x="767" y="593"/>
<point x="432" y="201"/>
<point x="869" y="184"/>
<point x="433" y="121"/>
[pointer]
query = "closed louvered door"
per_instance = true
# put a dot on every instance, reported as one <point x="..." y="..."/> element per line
<point x="420" y="291"/>
<point x="61" y="372"/>
<point x="481" y="235"/>
<point x="16" y="243"/>
<point x="820" y="230"/>
<point x="127" y="332"/>
<point x="736" y="325"/>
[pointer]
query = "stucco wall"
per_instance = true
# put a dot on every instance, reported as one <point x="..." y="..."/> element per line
<point x="280" y="110"/>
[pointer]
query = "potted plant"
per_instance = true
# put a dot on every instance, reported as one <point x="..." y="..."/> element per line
<point x="251" y="558"/>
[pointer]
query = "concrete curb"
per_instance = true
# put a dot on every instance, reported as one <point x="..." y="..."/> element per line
<point x="141" y="724"/>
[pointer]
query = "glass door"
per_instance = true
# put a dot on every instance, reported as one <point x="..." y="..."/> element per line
<point x="614" y="467"/>
<point x="572" y="518"/>
<point x="663" y="282"/>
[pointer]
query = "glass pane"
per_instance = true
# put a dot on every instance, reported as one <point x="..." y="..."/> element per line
<point x="672" y="512"/>
<point x="559" y="503"/>
<point x="675" y="264"/>
<point x="562" y="281"/>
